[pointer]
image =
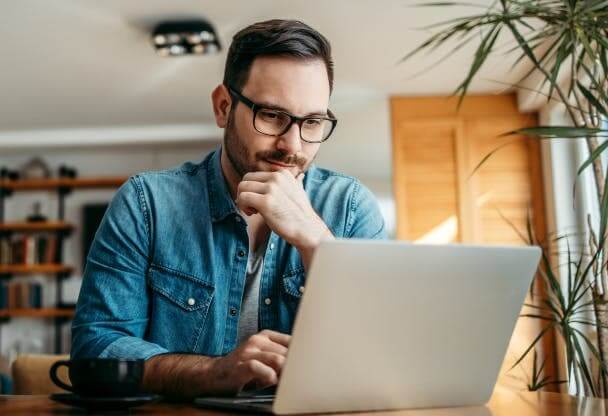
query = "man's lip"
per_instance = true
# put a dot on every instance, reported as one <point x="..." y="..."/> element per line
<point x="279" y="164"/>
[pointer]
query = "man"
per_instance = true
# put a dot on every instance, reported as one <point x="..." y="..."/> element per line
<point x="199" y="269"/>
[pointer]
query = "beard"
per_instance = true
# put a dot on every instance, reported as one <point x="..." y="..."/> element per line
<point x="241" y="158"/>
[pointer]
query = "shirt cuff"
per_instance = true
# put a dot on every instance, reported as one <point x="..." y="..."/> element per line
<point x="132" y="347"/>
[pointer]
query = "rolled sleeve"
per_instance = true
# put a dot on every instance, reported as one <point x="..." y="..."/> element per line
<point x="132" y="347"/>
<point x="112" y="312"/>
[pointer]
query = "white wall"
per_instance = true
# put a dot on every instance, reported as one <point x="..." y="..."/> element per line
<point x="361" y="147"/>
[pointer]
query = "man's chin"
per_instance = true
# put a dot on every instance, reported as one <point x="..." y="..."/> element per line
<point x="268" y="166"/>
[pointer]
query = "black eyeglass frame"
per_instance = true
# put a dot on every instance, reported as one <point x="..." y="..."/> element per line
<point x="293" y="119"/>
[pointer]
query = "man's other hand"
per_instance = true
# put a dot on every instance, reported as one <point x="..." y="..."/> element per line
<point x="256" y="363"/>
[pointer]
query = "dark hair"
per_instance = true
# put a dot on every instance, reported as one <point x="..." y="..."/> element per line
<point x="275" y="38"/>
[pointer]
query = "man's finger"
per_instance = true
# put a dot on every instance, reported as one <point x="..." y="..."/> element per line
<point x="263" y="374"/>
<point x="250" y="200"/>
<point x="252" y="186"/>
<point x="258" y="176"/>
<point x="271" y="359"/>
<point x="275" y="347"/>
<point x="279" y="338"/>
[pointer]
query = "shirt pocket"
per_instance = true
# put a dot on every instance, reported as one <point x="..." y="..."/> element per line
<point x="292" y="288"/>
<point x="179" y="309"/>
<point x="293" y="282"/>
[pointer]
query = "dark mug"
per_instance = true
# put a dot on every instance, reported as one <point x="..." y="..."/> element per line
<point x="102" y="377"/>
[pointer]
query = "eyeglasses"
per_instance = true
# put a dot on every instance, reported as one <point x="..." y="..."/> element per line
<point x="273" y="122"/>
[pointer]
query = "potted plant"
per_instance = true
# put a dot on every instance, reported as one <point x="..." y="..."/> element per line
<point x="566" y="42"/>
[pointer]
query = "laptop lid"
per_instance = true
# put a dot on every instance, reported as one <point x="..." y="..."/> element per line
<point x="393" y="325"/>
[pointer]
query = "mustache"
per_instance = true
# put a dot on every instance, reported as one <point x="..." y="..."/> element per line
<point x="283" y="157"/>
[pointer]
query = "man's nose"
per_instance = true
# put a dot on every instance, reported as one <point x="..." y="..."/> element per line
<point x="290" y="141"/>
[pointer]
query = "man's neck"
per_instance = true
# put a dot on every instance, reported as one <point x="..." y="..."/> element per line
<point x="258" y="230"/>
<point x="231" y="176"/>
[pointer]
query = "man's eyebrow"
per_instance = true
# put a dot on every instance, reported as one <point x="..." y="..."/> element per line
<point x="271" y="106"/>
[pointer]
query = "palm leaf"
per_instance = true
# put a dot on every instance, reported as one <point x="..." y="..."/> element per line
<point x="582" y="364"/>
<point x="560" y="132"/>
<point x="592" y="100"/>
<point x="538" y="338"/>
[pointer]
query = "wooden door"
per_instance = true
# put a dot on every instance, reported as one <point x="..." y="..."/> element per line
<point x="439" y="199"/>
<point x="435" y="151"/>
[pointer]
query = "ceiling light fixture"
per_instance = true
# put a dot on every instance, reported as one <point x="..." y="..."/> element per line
<point x="178" y="38"/>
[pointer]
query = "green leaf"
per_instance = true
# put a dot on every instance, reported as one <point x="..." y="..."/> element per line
<point x="587" y="45"/>
<point x="599" y="4"/>
<point x="569" y="273"/>
<point x="560" y="132"/>
<point x="592" y="100"/>
<point x="543" y="384"/>
<point x="593" y="349"/>
<point x="481" y="55"/>
<point x="523" y="238"/>
<point x="488" y="156"/>
<point x="538" y="338"/>
<point x="562" y="53"/>
<point x="554" y="286"/>
<point x="582" y="364"/>
<point x="603" y="214"/>
<point x="548" y="54"/>
<point x="535" y="316"/>
<point x="446" y="3"/>
<point x="593" y="156"/>
<point x="587" y="323"/>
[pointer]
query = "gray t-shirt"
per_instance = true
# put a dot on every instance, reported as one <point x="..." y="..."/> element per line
<point x="249" y="319"/>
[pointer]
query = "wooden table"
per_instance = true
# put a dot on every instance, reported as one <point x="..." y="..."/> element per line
<point x="502" y="403"/>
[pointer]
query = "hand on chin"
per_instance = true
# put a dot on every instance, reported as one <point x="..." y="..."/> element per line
<point x="279" y="197"/>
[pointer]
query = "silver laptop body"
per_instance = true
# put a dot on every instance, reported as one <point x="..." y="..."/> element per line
<point x="392" y="325"/>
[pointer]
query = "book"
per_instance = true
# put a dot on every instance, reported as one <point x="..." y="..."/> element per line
<point x="18" y="250"/>
<point x="12" y="296"/>
<point x="51" y="250"/>
<point x="3" y="296"/>
<point x="29" y="243"/>
<point x="5" y="251"/>
<point x="35" y="298"/>
<point x="23" y="299"/>
<point x="41" y="244"/>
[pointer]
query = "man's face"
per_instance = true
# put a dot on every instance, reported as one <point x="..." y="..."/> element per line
<point x="298" y="87"/>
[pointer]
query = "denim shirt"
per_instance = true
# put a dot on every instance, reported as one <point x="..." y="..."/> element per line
<point x="167" y="268"/>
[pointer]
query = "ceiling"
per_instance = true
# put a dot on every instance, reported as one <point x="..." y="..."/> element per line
<point x="84" y="64"/>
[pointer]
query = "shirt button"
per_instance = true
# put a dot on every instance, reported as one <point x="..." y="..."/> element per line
<point x="232" y="311"/>
<point x="237" y="219"/>
<point x="301" y="289"/>
<point x="191" y="302"/>
<point x="241" y="253"/>
<point x="267" y="301"/>
<point x="271" y="246"/>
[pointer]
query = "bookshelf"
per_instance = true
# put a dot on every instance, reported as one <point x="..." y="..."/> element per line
<point x="47" y="269"/>
<point x="54" y="184"/>
<point x="38" y="313"/>
<point x="33" y="227"/>
<point x="52" y="268"/>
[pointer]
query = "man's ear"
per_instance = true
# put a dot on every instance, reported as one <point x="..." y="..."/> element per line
<point x="222" y="102"/>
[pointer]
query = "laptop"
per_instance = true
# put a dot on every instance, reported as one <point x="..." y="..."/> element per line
<point x="388" y="325"/>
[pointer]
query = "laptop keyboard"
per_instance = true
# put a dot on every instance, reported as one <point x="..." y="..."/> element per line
<point x="258" y="399"/>
<point x="262" y="396"/>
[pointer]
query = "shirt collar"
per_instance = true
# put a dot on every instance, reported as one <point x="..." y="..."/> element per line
<point x="220" y="201"/>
